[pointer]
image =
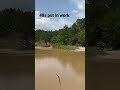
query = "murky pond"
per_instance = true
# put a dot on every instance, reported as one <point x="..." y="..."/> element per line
<point x="59" y="70"/>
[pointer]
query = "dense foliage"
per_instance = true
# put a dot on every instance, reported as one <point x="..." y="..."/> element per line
<point x="16" y="26"/>
<point x="75" y="35"/>
<point x="103" y="22"/>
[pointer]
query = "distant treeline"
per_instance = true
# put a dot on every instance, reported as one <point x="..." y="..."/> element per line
<point x="16" y="26"/>
<point x="16" y="21"/>
<point x="74" y="35"/>
<point x="103" y="22"/>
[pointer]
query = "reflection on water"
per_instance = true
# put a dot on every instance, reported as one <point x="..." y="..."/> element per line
<point x="69" y="66"/>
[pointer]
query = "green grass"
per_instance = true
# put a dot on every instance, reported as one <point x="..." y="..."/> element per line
<point x="59" y="46"/>
<point x="37" y="44"/>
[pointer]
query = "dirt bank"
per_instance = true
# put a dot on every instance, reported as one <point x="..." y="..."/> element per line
<point x="79" y="49"/>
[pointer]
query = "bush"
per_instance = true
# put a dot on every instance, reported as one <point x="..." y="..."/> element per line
<point x="68" y="47"/>
<point x="37" y="44"/>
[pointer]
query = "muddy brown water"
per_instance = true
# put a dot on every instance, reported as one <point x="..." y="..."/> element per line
<point x="17" y="71"/>
<point x="69" y="66"/>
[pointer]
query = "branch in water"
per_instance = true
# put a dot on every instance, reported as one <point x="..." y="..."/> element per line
<point x="59" y="80"/>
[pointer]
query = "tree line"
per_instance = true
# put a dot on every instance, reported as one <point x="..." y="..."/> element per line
<point x="16" y="26"/>
<point x="74" y="35"/>
<point x="103" y="23"/>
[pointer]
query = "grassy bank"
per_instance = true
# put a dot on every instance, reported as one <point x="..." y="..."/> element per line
<point x="66" y="47"/>
<point x="58" y="46"/>
<point x="37" y="44"/>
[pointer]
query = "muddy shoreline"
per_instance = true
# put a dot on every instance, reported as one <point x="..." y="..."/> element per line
<point x="79" y="49"/>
